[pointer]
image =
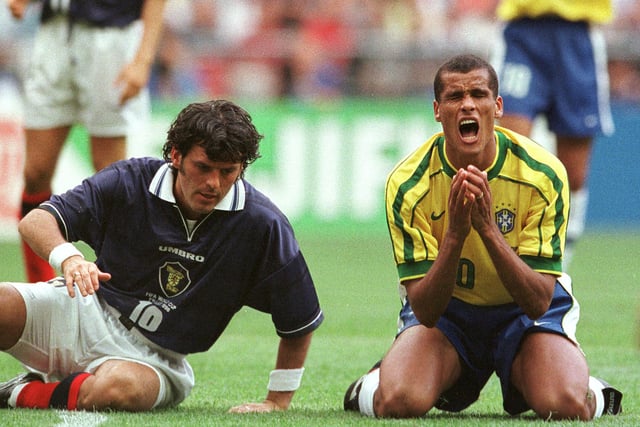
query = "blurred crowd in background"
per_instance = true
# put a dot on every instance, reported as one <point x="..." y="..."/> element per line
<point x="323" y="50"/>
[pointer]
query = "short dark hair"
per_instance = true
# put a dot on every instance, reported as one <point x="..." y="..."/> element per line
<point x="222" y="128"/>
<point x="464" y="64"/>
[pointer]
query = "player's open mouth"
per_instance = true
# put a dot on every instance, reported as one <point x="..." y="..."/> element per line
<point x="468" y="129"/>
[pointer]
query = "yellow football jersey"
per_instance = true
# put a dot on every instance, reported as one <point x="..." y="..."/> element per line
<point x="530" y="198"/>
<point x="596" y="11"/>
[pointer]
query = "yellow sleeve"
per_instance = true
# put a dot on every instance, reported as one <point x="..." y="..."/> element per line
<point x="595" y="11"/>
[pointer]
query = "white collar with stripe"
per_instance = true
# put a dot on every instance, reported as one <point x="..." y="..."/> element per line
<point x="162" y="187"/>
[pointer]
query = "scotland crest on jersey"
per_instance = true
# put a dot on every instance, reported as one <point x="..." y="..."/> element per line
<point x="174" y="279"/>
<point x="505" y="220"/>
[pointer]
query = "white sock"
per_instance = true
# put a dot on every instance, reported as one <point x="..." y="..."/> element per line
<point x="13" y="398"/>
<point x="596" y="387"/>
<point x="577" y="220"/>
<point x="370" y="384"/>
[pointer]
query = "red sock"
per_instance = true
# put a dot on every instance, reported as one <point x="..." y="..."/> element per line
<point x="36" y="395"/>
<point x="37" y="269"/>
<point x="59" y="395"/>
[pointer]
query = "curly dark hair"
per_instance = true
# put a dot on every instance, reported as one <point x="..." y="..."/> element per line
<point x="463" y="64"/>
<point x="221" y="127"/>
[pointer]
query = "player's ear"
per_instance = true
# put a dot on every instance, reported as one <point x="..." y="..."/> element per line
<point x="436" y="110"/>
<point x="499" y="108"/>
<point x="176" y="158"/>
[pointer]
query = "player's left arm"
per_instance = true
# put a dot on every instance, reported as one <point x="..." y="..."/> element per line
<point x="135" y="75"/>
<point x="292" y="353"/>
<point x="40" y="230"/>
<point x="531" y="290"/>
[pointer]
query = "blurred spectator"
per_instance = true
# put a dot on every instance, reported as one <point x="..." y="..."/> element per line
<point x="624" y="51"/>
<point x="261" y="66"/>
<point x="306" y="49"/>
<point x="625" y="79"/>
<point x="173" y="76"/>
<point x="321" y="52"/>
<point x="474" y="24"/>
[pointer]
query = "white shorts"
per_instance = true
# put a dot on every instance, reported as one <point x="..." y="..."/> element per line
<point x="71" y="79"/>
<point x="64" y="335"/>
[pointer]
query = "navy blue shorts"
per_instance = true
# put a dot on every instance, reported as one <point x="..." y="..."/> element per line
<point x="556" y="68"/>
<point x="487" y="339"/>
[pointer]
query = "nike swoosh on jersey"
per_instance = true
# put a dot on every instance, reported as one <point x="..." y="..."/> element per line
<point x="435" y="217"/>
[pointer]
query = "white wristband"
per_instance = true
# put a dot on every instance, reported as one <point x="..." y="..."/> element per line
<point x="285" y="379"/>
<point x="61" y="253"/>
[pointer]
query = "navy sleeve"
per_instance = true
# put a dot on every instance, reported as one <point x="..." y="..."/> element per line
<point x="84" y="211"/>
<point x="80" y="210"/>
<point x="286" y="289"/>
<point x="295" y="308"/>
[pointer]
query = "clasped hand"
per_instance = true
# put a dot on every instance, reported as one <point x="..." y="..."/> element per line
<point x="470" y="201"/>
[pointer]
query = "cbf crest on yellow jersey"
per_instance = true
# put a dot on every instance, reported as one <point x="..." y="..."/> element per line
<point x="530" y="199"/>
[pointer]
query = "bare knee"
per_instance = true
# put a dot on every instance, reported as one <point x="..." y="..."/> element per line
<point x="12" y="316"/>
<point x="37" y="181"/>
<point x="118" y="392"/>
<point x="401" y="403"/>
<point x="562" y="405"/>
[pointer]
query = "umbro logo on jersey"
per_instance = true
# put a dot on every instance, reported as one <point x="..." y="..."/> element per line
<point x="435" y="217"/>
<point x="181" y="253"/>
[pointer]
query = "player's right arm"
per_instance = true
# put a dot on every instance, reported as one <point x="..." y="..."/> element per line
<point x="40" y="230"/>
<point x="430" y="295"/>
<point x="135" y="75"/>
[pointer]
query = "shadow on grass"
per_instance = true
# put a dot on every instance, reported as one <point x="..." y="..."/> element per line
<point x="332" y="416"/>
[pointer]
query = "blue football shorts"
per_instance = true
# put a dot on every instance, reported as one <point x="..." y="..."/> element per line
<point x="487" y="339"/>
<point x="558" y="69"/>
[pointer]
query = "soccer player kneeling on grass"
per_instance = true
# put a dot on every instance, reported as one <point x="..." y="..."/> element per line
<point x="478" y="217"/>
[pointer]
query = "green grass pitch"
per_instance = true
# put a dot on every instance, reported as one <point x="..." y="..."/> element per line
<point x="356" y="282"/>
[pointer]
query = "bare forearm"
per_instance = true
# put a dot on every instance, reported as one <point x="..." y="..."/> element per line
<point x="152" y="18"/>
<point x="135" y="75"/>
<point x="430" y="295"/>
<point x="292" y="354"/>
<point x="531" y="290"/>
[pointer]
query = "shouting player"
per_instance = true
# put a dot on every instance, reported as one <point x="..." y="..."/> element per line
<point x="477" y="217"/>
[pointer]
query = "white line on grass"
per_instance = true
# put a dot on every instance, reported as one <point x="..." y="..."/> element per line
<point x="80" y="419"/>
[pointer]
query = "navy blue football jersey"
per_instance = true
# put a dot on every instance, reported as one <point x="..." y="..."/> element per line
<point x="181" y="286"/>
<point x="99" y="13"/>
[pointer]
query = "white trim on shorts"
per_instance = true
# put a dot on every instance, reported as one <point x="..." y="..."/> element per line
<point x="599" y="45"/>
